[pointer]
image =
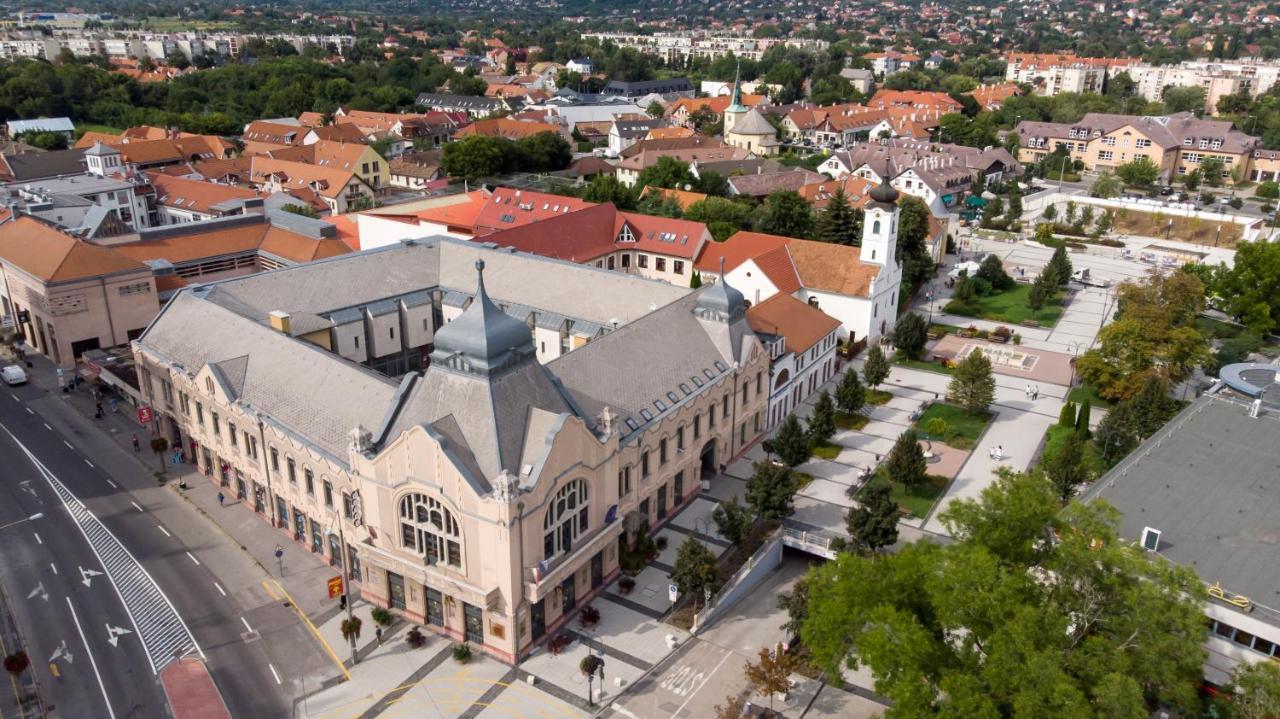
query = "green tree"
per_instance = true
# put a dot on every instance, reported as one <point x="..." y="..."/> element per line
<point x="1250" y="290"/>
<point x="1268" y="190"/>
<point x="543" y="152"/>
<point x="1067" y="415"/>
<point x="910" y="334"/>
<point x="1115" y="436"/>
<point x="1151" y="406"/>
<point x="790" y="442"/>
<point x="722" y="216"/>
<point x="1082" y="418"/>
<point x="822" y="420"/>
<point x="1255" y="691"/>
<point x="1212" y="170"/>
<point x="992" y="270"/>
<point x="1139" y="172"/>
<point x="44" y="140"/>
<point x="972" y="384"/>
<point x="1066" y="469"/>
<point x="838" y="223"/>
<point x="1183" y="99"/>
<point x="475" y="157"/>
<point x="694" y="571"/>
<point x="655" y="109"/>
<point x="973" y="628"/>
<point x="733" y="521"/>
<point x="770" y="491"/>
<point x="785" y="213"/>
<point x="796" y="604"/>
<point x="1049" y="213"/>
<point x="607" y="188"/>
<point x="695" y="280"/>
<point x="873" y="524"/>
<point x="1060" y="265"/>
<point x="906" y="464"/>
<point x="850" y="394"/>
<point x="1107" y="185"/>
<point x="667" y="172"/>
<point x="913" y="233"/>
<point x="1039" y="292"/>
<point x="876" y="369"/>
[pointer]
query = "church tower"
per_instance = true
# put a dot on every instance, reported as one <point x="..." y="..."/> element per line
<point x="880" y="226"/>
<point x="736" y="110"/>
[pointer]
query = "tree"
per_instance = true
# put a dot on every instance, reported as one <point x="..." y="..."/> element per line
<point x="1268" y="190"/>
<point x="44" y="140"/>
<point x="694" y="571"/>
<point x="972" y="384"/>
<point x="912" y="249"/>
<point x="655" y="109"/>
<point x="543" y="152"/>
<point x="910" y="335"/>
<point x="876" y="369"/>
<point x="607" y="188"/>
<point x="17" y="662"/>
<point x="1107" y="185"/>
<point x="1212" y="170"/>
<point x="837" y="223"/>
<point x="732" y="708"/>
<point x="771" y="674"/>
<point x="667" y="172"/>
<point x="992" y="270"/>
<point x="1067" y="415"/>
<point x="1183" y="99"/>
<point x="1115" y="436"/>
<point x="770" y="490"/>
<point x="796" y="605"/>
<point x="350" y="629"/>
<point x="850" y="394"/>
<point x="905" y="464"/>
<point x="1002" y="622"/>
<point x="1250" y="289"/>
<point x="822" y="420"/>
<point x="1066" y="469"/>
<point x="1139" y="172"/>
<point x="790" y="442"/>
<point x="733" y="521"/>
<point x="1255" y="691"/>
<point x="873" y="524"/>
<point x="695" y="280"/>
<point x="1082" y="418"/>
<point x="722" y="216"/>
<point x="1049" y="213"/>
<point x="1151" y="406"/>
<point x="160" y="445"/>
<point x="1039" y="290"/>
<point x="1060" y="265"/>
<point x="785" y="213"/>
<point x="304" y="210"/>
<point x="474" y="157"/>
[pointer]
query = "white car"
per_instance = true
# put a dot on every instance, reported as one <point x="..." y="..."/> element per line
<point x="13" y="374"/>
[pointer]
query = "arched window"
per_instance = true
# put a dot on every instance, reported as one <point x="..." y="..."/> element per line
<point x="781" y="380"/>
<point x="566" y="519"/>
<point x="875" y="227"/>
<point x="428" y="528"/>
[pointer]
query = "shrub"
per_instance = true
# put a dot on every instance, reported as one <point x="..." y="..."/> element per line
<point x="558" y="643"/>
<point x="936" y="427"/>
<point x="589" y="616"/>
<point x="626" y="584"/>
<point x="416" y="638"/>
<point x="461" y="653"/>
<point x="17" y="663"/>
<point x="381" y="616"/>
<point x="661" y="543"/>
<point x="1269" y="190"/>
<point x="960" y="442"/>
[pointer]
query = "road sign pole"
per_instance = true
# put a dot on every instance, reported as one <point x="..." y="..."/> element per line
<point x="342" y="550"/>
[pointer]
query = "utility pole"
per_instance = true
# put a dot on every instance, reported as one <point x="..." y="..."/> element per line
<point x="346" y="595"/>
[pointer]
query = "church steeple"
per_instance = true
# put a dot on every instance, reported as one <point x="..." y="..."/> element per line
<point x="736" y="109"/>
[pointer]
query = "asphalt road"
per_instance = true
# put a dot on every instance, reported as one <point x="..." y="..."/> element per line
<point x="258" y="652"/>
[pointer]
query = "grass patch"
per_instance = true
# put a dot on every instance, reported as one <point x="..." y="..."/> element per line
<point x="1089" y="392"/>
<point x="853" y="421"/>
<point x="83" y="127"/>
<point x="1009" y="306"/>
<point x="1217" y="329"/>
<point x="959" y="422"/>
<point x="878" y="396"/>
<point x="1057" y="434"/>
<point x="802" y="478"/>
<point x="1185" y="229"/>
<point x="922" y="365"/>
<point x="917" y="500"/>
<point x="827" y="451"/>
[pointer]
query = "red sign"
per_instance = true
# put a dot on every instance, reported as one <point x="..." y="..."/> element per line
<point x="335" y="587"/>
<point x="144" y="414"/>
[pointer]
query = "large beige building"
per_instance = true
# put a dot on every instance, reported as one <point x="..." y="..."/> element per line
<point x="1177" y="144"/>
<point x="1051" y="73"/>
<point x="487" y="496"/>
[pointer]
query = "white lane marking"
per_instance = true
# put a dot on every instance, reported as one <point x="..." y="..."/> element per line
<point x="113" y="484"/>
<point x="221" y="591"/>
<point x="69" y="445"/>
<point x="46" y="426"/>
<point x="246" y="624"/>
<point x="275" y="673"/>
<point x="88" y="463"/>
<point x="54" y="568"/>
<point x="162" y="529"/>
<point x="29" y="410"/>
<point x="38" y="539"/>
<point x="193" y="557"/>
<point x="135" y="506"/>
<point x="15" y="397"/>
<point x="695" y="690"/>
<point x="92" y="661"/>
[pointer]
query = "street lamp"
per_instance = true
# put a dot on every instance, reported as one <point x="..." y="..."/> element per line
<point x="1075" y="351"/>
<point x="346" y="593"/>
<point x="928" y="301"/>
<point x="32" y="518"/>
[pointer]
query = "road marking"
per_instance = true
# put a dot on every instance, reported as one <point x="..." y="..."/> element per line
<point x="114" y="633"/>
<point x="193" y="557"/>
<point x="55" y="569"/>
<point x="15" y="397"/>
<point x="46" y="426"/>
<point x="162" y="529"/>
<point x="38" y="539"/>
<point x="155" y="620"/>
<point x="314" y="631"/>
<point x="69" y="445"/>
<point x="29" y="410"/>
<point x="274" y="673"/>
<point x="92" y="662"/>
<point x="221" y="591"/>
<point x="135" y="506"/>
<point x="113" y="484"/>
<point x="39" y="592"/>
<point x="695" y="691"/>
<point x="270" y="592"/>
<point x="88" y="463"/>
<point x="246" y="624"/>
<point x="87" y="575"/>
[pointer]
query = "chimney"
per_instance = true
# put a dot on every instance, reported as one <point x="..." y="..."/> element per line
<point x="279" y="321"/>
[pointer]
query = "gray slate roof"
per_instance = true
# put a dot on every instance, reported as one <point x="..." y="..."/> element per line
<point x="1208" y="482"/>
<point x="40" y="165"/>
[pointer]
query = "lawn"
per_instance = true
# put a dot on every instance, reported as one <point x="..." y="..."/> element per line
<point x="83" y="127"/>
<point x="1089" y="392"/>
<point x="853" y="421"/>
<point x="878" y="396"/>
<point x="827" y="451"/>
<point x="959" y="422"/>
<point x="922" y="365"/>
<point x="917" y="500"/>
<point x="1186" y="229"/>
<point x="1011" y="306"/>
<point x="1056" y="435"/>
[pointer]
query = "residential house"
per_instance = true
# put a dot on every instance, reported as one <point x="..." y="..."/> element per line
<point x="801" y="341"/>
<point x="625" y="131"/>
<point x="179" y="200"/>
<point x="629" y="168"/>
<point x="670" y="87"/>
<point x="681" y="111"/>
<point x="28" y="166"/>
<point x="1052" y="73"/>
<point x="861" y="79"/>
<point x="508" y="128"/>
<point x="992" y="97"/>
<point x="475" y="107"/>
<point x="262" y="136"/>
<point x="891" y="61"/>
<point x="762" y="184"/>
<point x="415" y="170"/>
<point x="355" y="157"/>
<point x="339" y="188"/>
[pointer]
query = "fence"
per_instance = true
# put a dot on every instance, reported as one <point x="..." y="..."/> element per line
<point x="1251" y="227"/>
<point x="766" y="559"/>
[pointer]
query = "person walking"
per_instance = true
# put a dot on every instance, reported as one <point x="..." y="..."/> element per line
<point x="220" y="499"/>
<point x="378" y="633"/>
<point x="136" y="446"/>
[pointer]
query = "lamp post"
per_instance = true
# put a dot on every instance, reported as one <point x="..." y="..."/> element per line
<point x="1075" y="351"/>
<point x="928" y="301"/>
<point x="346" y="589"/>
<point x="32" y="518"/>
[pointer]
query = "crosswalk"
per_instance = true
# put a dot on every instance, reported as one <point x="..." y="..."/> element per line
<point x="164" y="635"/>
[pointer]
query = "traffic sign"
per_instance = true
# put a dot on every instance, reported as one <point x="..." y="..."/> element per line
<point x="144" y="414"/>
<point x="673" y="592"/>
<point x="335" y="587"/>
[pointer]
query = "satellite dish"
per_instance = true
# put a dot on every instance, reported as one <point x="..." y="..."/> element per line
<point x="688" y="187"/>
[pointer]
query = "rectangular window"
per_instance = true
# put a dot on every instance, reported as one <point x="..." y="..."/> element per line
<point x="293" y="471"/>
<point x="199" y="414"/>
<point x="310" y="479"/>
<point x="217" y="430"/>
<point x="662" y="451"/>
<point x="759" y="383"/>
<point x="660" y="264"/>
<point x="678" y="267"/>
<point x="328" y="494"/>
<point x="680" y="438"/>
<point x="231" y="431"/>
<point x="644" y="464"/>
<point x="348" y="509"/>
<point x="1109" y="141"/>
<point x="697" y="427"/>
<point x="275" y="460"/>
<point x="711" y="417"/>
<point x="1142" y="142"/>
<point x="724" y="412"/>
<point x="642" y="260"/>
<point x="624" y="481"/>
<point x="1105" y="155"/>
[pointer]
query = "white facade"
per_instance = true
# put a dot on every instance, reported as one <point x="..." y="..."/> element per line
<point x="796" y="376"/>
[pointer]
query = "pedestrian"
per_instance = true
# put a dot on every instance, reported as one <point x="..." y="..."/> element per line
<point x="97" y="414"/>
<point x="1035" y="393"/>
<point x="1028" y="391"/>
<point x="114" y="404"/>
<point x="220" y="499"/>
<point x="136" y="446"/>
<point x="378" y="633"/>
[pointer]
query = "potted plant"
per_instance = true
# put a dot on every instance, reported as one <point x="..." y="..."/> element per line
<point x="626" y="584"/>
<point x="416" y="638"/>
<point x="461" y="653"/>
<point x="589" y="616"/>
<point x="557" y="644"/>
<point x="661" y="543"/>
<point x="381" y="616"/>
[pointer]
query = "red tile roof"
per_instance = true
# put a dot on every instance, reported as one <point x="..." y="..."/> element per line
<point x="508" y="208"/>
<point x="800" y="322"/>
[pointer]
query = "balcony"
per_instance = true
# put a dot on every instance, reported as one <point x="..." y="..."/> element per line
<point x="539" y="585"/>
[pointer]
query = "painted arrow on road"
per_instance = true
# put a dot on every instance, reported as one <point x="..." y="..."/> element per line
<point x="86" y="575"/>
<point x="39" y="591"/>
<point x="114" y="634"/>
<point x="26" y="487"/>
<point x="61" y="652"/>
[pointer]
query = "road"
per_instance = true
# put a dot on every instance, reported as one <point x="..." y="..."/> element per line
<point x="127" y="574"/>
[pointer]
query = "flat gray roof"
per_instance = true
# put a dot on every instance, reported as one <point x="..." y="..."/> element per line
<point x="1209" y="481"/>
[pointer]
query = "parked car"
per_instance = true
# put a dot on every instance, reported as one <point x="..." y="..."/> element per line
<point x="1166" y="190"/>
<point x="13" y="374"/>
